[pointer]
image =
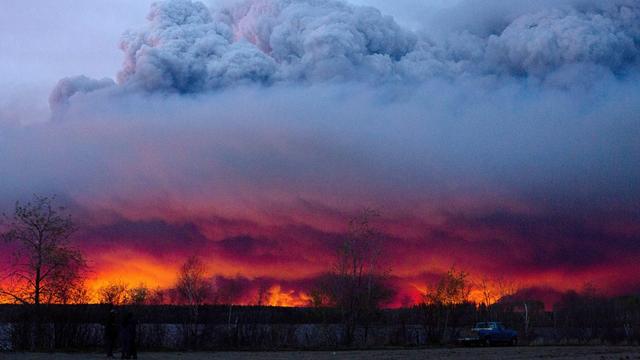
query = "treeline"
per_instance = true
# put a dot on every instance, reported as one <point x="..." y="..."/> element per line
<point x="578" y="318"/>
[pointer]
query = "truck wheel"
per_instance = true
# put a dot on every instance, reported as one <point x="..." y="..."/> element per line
<point x="487" y="342"/>
<point x="514" y="342"/>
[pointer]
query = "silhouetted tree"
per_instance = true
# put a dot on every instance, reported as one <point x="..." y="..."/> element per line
<point x="358" y="284"/>
<point x="119" y="293"/>
<point x="320" y="296"/>
<point x="193" y="288"/>
<point x="452" y="288"/>
<point x="45" y="268"/>
<point x="506" y="288"/>
<point x="443" y="302"/>
<point x="497" y="293"/>
<point x="158" y="296"/>
<point x="139" y="295"/>
<point x="70" y="290"/>
<point x="114" y="293"/>
<point x="488" y="294"/>
<point x="263" y="292"/>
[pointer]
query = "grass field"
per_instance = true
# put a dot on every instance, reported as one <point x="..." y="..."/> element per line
<point x="582" y="353"/>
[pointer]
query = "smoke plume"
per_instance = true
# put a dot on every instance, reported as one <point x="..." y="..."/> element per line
<point x="189" y="48"/>
<point x="501" y="136"/>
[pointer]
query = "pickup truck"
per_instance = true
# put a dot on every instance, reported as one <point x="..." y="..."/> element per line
<point x="489" y="333"/>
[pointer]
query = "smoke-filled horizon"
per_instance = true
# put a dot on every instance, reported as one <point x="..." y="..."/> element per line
<point x="501" y="138"/>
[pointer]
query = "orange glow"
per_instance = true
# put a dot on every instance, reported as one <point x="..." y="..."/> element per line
<point x="137" y="269"/>
<point x="291" y="261"/>
<point x="475" y="295"/>
<point x="278" y="297"/>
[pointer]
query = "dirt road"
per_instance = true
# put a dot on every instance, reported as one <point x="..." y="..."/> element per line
<point x="582" y="353"/>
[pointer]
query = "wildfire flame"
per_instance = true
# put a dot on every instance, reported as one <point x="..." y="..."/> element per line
<point x="288" y="298"/>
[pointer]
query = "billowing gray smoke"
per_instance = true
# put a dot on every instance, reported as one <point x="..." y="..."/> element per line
<point x="189" y="48"/>
<point x="538" y="44"/>
<point x="68" y="87"/>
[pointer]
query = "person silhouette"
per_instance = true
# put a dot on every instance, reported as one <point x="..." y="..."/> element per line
<point x="110" y="332"/>
<point x="129" y="332"/>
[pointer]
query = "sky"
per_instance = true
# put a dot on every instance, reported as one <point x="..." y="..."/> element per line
<point x="497" y="137"/>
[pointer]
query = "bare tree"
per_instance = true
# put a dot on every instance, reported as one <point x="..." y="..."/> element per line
<point x="157" y="296"/>
<point x="139" y="295"/>
<point x="263" y="292"/>
<point x="358" y="283"/>
<point x="506" y="288"/>
<point x="320" y="297"/>
<point x="70" y="290"/>
<point x="488" y="292"/>
<point x="45" y="268"/>
<point x="114" y="293"/>
<point x="452" y="288"/>
<point x="193" y="288"/>
<point x="443" y="300"/>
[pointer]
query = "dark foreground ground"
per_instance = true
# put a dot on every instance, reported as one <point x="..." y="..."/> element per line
<point x="583" y="353"/>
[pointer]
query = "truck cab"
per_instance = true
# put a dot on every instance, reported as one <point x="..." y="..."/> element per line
<point x="490" y="333"/>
